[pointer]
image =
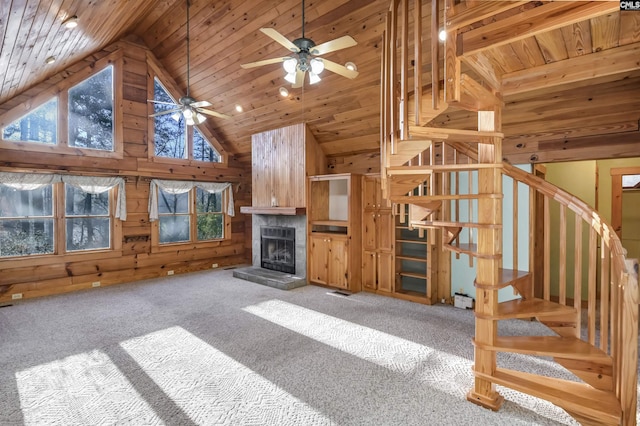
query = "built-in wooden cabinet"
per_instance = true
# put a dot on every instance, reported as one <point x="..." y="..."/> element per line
<point x="334" y="233"/>
<point x="416" y="261"/>
<point x="377" y="238"/>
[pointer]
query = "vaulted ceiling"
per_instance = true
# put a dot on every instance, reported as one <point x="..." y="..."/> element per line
<point x="343" y="114"/>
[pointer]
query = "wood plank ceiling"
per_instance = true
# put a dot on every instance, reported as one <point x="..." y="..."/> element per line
<point x="343" y="114"/>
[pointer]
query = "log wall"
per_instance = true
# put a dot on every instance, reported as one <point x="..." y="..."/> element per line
<point x="35" y="276"/>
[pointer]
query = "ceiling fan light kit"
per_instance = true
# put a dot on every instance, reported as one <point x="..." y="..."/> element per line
<point x="187" y="107"/>
<point x="305" y="57"/>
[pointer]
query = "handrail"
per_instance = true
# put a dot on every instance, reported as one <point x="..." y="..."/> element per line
<point x="619" y="294"/>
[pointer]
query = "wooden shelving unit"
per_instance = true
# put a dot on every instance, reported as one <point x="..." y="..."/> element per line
<point x="333" y="231"/>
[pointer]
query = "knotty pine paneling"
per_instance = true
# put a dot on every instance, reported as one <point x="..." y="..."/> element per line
<point x="281" y="160"/>
<point x="40" y="276"/>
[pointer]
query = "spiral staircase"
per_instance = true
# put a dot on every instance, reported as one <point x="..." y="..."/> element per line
<point x="592" y="312"/>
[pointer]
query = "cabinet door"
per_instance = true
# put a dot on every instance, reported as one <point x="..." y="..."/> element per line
<point x="385" y="230"/>
<point x="338" y="262"/>
<point x="369" y="230"/>
<point x="369" y="270"/>
<point x="385" y="271"/>
<point x="370" y="192"/>
<point x="318" y="258"/>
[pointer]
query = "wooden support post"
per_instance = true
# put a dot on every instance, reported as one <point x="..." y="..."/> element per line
<point x="404" y="72"/>
<point x="417" y="58"/>
<point x="489" y="243"/>
<point x="435" y="63"/>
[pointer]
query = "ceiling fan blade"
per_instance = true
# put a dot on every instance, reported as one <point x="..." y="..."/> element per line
<point x="263" y="62"/>
<point x="339" y="69"/>
<point x="299" y="79"/>
<point x="333" y="45"/>
<point x="161" y="102"/>
<point x="200" y="104"/>
<point x="169" y="111"/>
<point x="276" y="36"/>
<point x="213" y="113"/>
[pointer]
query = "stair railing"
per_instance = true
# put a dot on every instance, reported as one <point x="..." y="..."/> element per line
<point x="608" y="292"/>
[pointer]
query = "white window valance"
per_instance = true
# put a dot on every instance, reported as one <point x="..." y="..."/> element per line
<point x="98" y="185"/>
<point x="90" y="184"/>
<point x="182" y="186"/>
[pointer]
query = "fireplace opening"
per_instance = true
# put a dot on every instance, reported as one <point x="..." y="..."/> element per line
<point x="278" y="248"/>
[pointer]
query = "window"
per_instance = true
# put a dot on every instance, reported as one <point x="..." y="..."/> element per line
<point x="26" y="221"/>
<point x="173" y="210"/>
<point x="209" y="215"/>
<point x="91" y="112"/>
<point x="188" y="212"/>
<point x="630" y="182"/>
<point x="40" y="125"/>
<point x="82" y="116"/>
<point x="171" y="135"/>
<point x="56" y="214"/>
<point x="88" y="223"/>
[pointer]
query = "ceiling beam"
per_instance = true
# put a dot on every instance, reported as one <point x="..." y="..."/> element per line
<point x="544" y="18"/>
<point x="606" y="62"/>
<point x="463" y="14"/>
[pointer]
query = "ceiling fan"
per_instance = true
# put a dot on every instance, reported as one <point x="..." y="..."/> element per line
<point x="305" y="58"/>
<point x="190" y="109"/>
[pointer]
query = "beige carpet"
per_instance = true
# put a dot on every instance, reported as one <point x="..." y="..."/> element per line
<point x="210" y="349"/>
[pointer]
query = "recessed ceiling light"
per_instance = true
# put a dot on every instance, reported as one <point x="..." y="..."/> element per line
<point x="71" y="22"/>
<point x="50" y="60"/>
<point x="283" y="92"/>
<point x="239" y="108"/>
<point x="351" y="66"/>
<point x="442" y="35"/>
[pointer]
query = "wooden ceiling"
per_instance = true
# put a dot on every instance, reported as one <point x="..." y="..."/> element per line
<point x="343" y="114"/>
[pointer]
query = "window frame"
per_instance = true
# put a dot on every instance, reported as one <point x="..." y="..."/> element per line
<point x="60" y="252"/>
<point x="193" y="243"/>
<point x="156" y="71"/>
<point x="62" y="134"/>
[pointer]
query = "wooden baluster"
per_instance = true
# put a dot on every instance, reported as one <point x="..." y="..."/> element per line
<point x="515" y="224"/>
<point x="562" y="270"/>
<point x="547" y="250"/>
<point x="605" y="264"/>
<point x="577" y="274"/>
<point x="591" y="298"/>
<point x="470" y="209"/>
<point x="435" y="46"/>
<point x="393" y="85"/>
<point x="417" y="58"/>
<point x="404" y="71"/>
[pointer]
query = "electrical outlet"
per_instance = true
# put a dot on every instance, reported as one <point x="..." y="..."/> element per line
<point x="170" y="272"/>
<point x="16" y="296"/>
<point x="95" y="284"/>
<point x="215" y="265"/>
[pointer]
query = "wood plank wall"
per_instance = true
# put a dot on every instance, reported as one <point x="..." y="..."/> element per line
<point x="38" y="276"/>
<point x="281" y="161"/>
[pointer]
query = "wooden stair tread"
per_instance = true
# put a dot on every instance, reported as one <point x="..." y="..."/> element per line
<point x="441" y="223"/>
<point x="470" y="250"/>
<point x="506" y="277"/>
<point x="600" y="406"/>
<point x="442" y="134"/>
<point x="405" y="150"/>
<point x="553" y="346"/>
<point x="416" y="199"/>
<point x="521" y="308"/>
<point x="421" y="170"/>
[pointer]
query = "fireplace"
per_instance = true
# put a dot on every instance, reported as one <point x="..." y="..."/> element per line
<point x="278" y="248"/>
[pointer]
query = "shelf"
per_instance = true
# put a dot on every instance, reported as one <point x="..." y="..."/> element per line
<point x="413" y="275"/>
<point x="412" y="258"/>
<point x="343" y="223"/>
<point x="412" y="241"/>
<point x="285" y="211"/>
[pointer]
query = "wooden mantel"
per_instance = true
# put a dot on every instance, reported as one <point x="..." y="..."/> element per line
<point x="285" y="211"/>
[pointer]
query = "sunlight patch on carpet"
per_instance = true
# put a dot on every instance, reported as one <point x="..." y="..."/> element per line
<point x="213" y="388"/>
<point x="83" y="389"/>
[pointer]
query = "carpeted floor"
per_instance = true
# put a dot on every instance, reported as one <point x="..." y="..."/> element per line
<point x="208" y="349"/>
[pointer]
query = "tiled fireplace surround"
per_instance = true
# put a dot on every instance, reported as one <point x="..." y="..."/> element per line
<point x="280" y="280"/>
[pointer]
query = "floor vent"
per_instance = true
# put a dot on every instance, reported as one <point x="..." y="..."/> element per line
<point x="341" y="293"/>
<point x="5" y="306"/>
<point x="229" y="268"/>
